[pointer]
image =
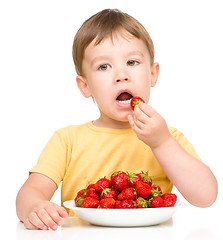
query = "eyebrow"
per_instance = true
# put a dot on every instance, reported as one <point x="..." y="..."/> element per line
<point x="99" y="58"/>
<point x="105" y="58"/>
<point x="135" y="53"/>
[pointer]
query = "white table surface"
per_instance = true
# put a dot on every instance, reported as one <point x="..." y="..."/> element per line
<point x="187" y="223"/>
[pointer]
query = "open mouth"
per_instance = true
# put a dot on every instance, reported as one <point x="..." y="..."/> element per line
<point x="124" y="97"/>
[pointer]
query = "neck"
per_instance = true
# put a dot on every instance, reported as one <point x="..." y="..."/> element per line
<point x="111" y="123"/>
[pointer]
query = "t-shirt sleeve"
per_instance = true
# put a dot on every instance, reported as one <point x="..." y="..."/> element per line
<point x="52" y="160"/>
<point x="184" y="142"/>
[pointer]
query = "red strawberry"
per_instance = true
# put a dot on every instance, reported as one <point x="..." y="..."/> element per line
<point x="133" y="178"/>
<point x="156" y="202"/>
<point x="92" y="193"/>
<point x="141" y="203"/>
<point x="90" y="202"/>
<point x="79" y="194"/>
<point x="119" y="180"/>
<point x="143" y="189"/>
<point x="144" y="177"/>
<point x="135" y="101"/>
<point x="80" y="197"/>
<point x="90" y="186"/>
<point x="126" y="204"/>
<point x="108" y="193"/>
<point x="117" y="204"/>
<point x="102" y="184"/>
<point x="169" y="199"/>
<point x="127" y="193"/>
<point x="107" y="203"/>
<point x="155" y="191"/>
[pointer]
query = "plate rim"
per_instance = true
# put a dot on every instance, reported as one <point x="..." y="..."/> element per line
<point x="149" y="220"/>
<point x="177" y="205"/>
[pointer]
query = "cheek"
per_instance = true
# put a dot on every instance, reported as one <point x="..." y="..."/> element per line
<point x="100" y="84"/>
<point x="92" y="84"/>
<point x="145" y="90"/>
<point x="146" y="94"/>
<point x="99" y="91"/>
<point x="144" y="74"/>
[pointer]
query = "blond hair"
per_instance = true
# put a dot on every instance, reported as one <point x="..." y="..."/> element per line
<point x="101" y="26"/>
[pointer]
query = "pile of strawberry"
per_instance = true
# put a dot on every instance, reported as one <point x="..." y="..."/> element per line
<point x="124" y="190"/>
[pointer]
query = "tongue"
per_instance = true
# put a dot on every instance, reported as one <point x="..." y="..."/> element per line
<point x="124" y="96"/>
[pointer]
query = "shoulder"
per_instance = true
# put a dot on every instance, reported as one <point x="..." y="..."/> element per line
<point x="175" y="132"/>
<point x="178" y="135"/>
<point x="70" y="132"/>
<point x="70" y="129"/>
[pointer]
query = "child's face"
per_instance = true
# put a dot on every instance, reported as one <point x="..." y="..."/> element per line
<point x="115" y="67"/>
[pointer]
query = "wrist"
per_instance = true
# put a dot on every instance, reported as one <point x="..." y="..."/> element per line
<point x="164" y="144"/>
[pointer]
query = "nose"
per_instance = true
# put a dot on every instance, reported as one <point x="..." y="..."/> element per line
<point x="121" y="76"/>
<point x="122" y="79"/>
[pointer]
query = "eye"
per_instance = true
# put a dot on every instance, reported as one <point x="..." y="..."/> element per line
<point x="132" y="62"/>
<point x="104" y="67"/>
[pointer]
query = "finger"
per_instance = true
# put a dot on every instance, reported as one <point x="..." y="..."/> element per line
<point x="140" y="116"/>
<point x="138" y="124"/>
<point x="147" y="109"/>
<point x="132" y="122"/>
<point x="36" y="221"/>
<point x="61" y="211"/>
<point x="134" y="125"/>
<point x="29" y="225"/>
<point x="55" y="213"/>
<point x="46" y="219"/>
<point x="51" y="210"/>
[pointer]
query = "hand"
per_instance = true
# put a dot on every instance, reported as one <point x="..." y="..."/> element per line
<point x="149" y="125"/>
<point x="45" y="215"/>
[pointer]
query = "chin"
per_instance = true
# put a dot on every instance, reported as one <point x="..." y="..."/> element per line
<point x="123" y="124"/>
<point x="123" y="119"/>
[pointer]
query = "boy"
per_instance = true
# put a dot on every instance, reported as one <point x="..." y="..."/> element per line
<point x="114" y="60"/>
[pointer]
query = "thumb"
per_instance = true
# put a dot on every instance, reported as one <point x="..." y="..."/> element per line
<point x="147" y="109"/>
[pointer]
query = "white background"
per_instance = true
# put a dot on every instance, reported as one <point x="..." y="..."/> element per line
<point x="38" y="92"/>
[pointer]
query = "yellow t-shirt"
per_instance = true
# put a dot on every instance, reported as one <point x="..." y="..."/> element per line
<point x="79" y="155"/>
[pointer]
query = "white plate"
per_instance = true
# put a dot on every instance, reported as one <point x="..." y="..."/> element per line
<point x="123" y="217"/>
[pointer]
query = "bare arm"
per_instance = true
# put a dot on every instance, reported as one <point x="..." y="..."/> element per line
<point x="33" y="203"/>
<point x="192" y="178"/>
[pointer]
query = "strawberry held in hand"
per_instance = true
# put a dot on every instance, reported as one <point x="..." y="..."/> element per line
<point x="135" y="101"/>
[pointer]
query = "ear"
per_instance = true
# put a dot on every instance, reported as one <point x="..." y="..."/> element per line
<point x="155" y="69"/>
<point x="83" y="86"/>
